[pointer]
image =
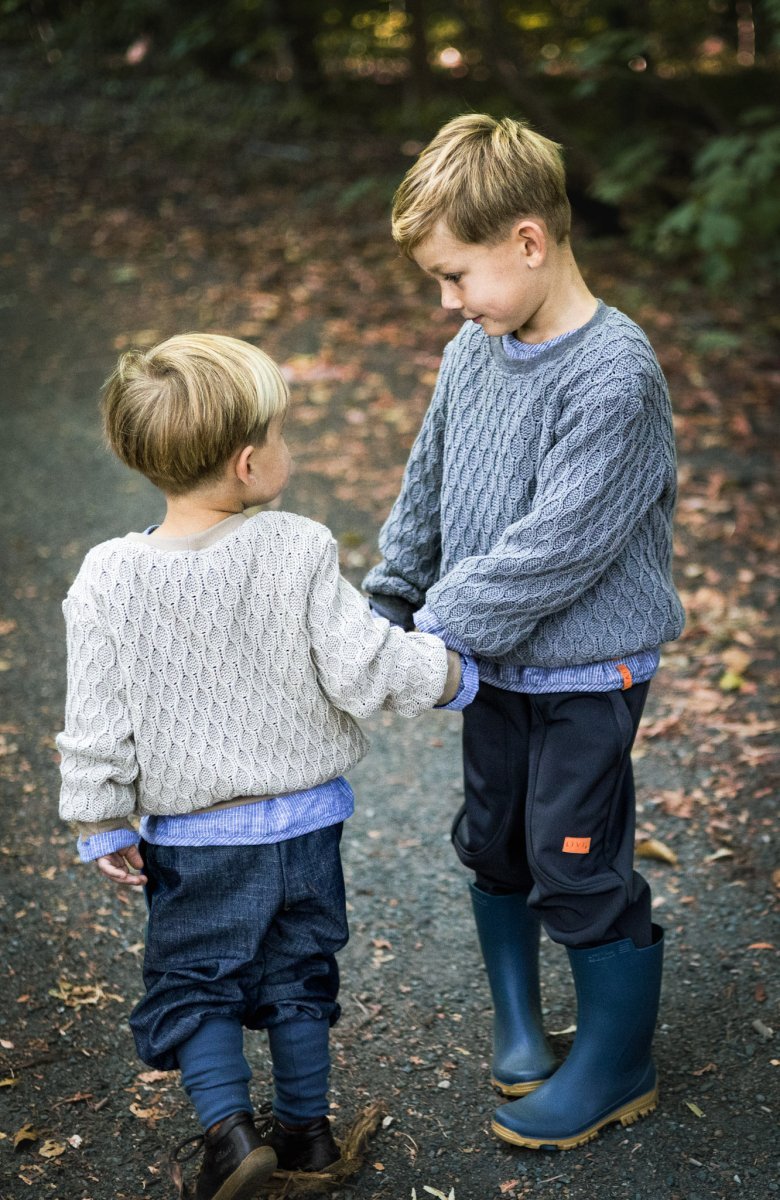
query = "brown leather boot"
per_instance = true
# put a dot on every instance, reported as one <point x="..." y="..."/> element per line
<point x="309" y="1147"/>
<point x="235" y="1164"/>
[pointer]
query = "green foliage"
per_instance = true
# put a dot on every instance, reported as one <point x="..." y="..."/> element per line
<point x="634" y="166"/>
<point x="662" y="106"/>
<point x="730" y="214"/>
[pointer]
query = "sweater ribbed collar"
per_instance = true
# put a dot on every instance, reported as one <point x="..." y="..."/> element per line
<point x="524" y="366"/>
<point x="194" y="541"/>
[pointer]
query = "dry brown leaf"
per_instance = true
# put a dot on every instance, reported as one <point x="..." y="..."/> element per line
<point x="51" y="1149"/>
<point x="155" y="1113"/>
<point x="79" y="995"/>
<point x="653" y="848"/>
<point x="25" y="1137"/>
<point x="155" y="1076"/>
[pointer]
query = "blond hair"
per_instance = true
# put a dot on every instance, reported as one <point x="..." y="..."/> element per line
<point x="177" y="413"/>
<point x="478" y="175"/>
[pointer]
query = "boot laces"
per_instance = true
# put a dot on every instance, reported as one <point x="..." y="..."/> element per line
<point x="264" y="1119"/>
<point x="198" y="1142"/>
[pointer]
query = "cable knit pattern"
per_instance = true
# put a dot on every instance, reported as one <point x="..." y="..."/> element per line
<point x="236" y="670"/>
<point x="535" y="516"/>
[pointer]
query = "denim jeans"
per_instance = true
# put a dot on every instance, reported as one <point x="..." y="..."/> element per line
<point x="248" y="932"/>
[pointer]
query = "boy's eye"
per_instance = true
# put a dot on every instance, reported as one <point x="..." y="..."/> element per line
<point x="452" y="278"/>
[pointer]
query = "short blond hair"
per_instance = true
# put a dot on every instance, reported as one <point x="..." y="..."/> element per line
<point x="177" y="412"/>
<point x="478" y="175"/>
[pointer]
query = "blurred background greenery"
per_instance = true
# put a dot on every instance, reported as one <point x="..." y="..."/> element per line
<point x="667" y="109"/>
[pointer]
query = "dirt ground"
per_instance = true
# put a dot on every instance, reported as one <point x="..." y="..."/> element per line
<point x="102" y="243"/>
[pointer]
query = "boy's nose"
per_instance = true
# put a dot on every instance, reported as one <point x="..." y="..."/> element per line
<point x="450" y="300"/>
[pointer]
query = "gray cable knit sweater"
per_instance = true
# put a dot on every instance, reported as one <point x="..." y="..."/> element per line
<point x="535" y="515"/>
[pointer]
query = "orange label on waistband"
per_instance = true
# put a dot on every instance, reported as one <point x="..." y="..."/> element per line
<point x="572" y="845"/>
<point x="625" y="675"/>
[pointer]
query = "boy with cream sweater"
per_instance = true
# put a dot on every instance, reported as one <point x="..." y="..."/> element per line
<point x="216" y="665"/>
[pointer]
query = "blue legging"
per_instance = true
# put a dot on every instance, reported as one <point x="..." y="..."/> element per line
<point x="216" y="1075"/>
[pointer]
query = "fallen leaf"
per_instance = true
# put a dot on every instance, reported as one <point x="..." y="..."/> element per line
<point x="761" y="946"/>
<point x="710" y="1066"/>
<point x="652" y="848"/>
<point x="51" y="1149"/>
<point x="10" y="1081"/>
<point x="694" y="1108"/>
<point x="25" y="1137"/>
<point x="722" y="853"/>
<point x="759" y="994"/>
<point x="79" y="995"/>
<point x="508" y="1185"/>
<point x="154" y="1113"/>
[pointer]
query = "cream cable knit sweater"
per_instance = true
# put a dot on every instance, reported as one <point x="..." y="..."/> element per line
<point x="233" y="668"/>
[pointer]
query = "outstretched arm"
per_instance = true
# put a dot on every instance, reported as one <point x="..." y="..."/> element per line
<point x="364" y="663"/>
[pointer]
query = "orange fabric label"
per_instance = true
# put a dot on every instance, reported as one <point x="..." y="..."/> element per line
<point x="625" y="675"/>
<point x="572" y="845"/>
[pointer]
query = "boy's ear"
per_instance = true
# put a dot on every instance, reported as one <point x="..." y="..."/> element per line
<point x="242" y="464"/>
<point x="533" y="236"/>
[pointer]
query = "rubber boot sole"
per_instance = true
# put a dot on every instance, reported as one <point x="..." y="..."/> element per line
<point x="517" y="1089"/>
<point x="626" y="1115"/>
<point x="256" y="1169"/>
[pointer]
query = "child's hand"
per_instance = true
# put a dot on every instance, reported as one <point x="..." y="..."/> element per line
<point x="115" y="866"/>
<point x="453" y="679"/>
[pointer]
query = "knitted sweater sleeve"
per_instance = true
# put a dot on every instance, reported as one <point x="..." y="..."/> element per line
<point x="364" y="663"/>
<point x="97" y="753"/>
<point x="611" y="460"/>
<point x="410" y="539"/>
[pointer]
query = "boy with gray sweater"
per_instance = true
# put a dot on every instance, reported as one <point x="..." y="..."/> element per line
<point x="216" y="665"/>
<point x="534" y="531"/>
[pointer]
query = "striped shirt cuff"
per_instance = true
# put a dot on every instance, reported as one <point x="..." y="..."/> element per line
<point x="427" y="622"/>
<point x="99" y="844"/>
<point x="469" y="685"/>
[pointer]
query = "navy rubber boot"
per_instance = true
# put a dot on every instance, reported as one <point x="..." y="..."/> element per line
<point x="609" y="1074"/>
<point x="508" y="934"/>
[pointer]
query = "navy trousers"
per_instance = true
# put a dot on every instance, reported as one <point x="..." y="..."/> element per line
<point x="550" y="809"/>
